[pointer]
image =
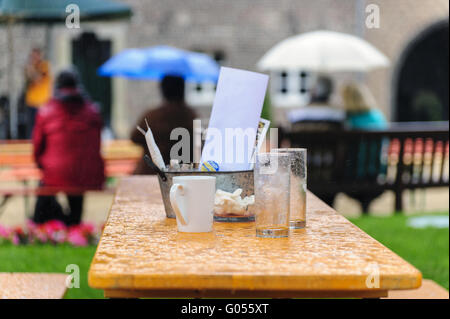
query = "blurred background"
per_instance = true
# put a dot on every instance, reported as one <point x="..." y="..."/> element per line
<point x="410" y="91"/>
<point x="238" y="34"/>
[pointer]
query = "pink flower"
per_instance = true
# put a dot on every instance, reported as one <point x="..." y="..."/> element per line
<point x="19" y="236"/>
<point x="31" y="224"/>
<point x="55" y="231"/>
<point x="76" y="238"/>
<point x="87" y="228"/>
<point x="19" y="231"/>
<point x="15" y="239"/>
<point x="53" y="226"/>
<point x="4" y="232"/>
<point x="36" y="232"/>
<point x="59" y="237"/>
<point x="39" y="235"/>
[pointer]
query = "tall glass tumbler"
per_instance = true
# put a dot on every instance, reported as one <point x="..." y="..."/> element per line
<point x="298" y="185"/>
<point x="272" y="188"/>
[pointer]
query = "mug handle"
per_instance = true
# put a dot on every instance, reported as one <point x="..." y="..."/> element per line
<point x="174" y="190"/>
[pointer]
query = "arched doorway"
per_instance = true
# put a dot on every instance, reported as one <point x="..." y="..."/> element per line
<point x="421" y="84"/>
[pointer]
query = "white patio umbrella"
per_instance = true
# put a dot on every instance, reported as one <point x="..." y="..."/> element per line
<point x="323" y="51"/>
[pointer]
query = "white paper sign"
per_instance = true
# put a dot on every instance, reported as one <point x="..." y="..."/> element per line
<point x="230" y="139"/>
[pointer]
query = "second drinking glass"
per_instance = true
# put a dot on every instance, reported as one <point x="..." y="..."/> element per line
<point x="298" y="185"/>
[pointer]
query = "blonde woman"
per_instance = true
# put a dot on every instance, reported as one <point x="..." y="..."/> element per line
<point x="362" y="113"/>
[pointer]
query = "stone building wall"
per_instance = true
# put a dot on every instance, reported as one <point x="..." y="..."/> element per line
<point x="243" y="30"/>
<point x="401" y="21"/>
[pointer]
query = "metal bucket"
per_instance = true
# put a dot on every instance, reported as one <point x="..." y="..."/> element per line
<point x="226" y="181"/>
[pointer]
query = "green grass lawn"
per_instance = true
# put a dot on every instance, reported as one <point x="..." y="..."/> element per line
<point x="427" y="249"/>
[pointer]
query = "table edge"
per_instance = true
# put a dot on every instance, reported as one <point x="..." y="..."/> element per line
<point x="250" y="281"/>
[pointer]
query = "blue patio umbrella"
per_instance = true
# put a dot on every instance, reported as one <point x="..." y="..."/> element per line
<point x="155" y="62"/>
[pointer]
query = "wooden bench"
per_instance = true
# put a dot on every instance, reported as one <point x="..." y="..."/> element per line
<point x="17" y="165"/>
<point x="428" y="290"/>
<point x="364" y="164"/>
<point x="32" y="285"/>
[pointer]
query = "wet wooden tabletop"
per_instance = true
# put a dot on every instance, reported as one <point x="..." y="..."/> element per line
<point x="141" y="254"/>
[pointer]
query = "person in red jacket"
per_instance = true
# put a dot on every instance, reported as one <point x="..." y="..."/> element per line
<point x="66" y="141"/>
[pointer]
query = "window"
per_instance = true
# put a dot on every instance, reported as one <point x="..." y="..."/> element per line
<point x="283" y="82"/>
<point x="303" y="82"/>
<point x="290" y="88"/>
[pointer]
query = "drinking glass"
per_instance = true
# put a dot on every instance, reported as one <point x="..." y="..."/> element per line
<point x="298" y="186"/>
<point x="272" y="188"/>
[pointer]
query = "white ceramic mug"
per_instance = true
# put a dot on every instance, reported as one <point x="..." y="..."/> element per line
<point x="192" y="200"/>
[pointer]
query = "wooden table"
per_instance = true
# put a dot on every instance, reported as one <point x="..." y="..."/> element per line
<point x="141" y="254"/>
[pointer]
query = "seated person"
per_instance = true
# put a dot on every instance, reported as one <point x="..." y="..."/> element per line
<point x="365" y="156"/>
<point x="171" y="114"/>
<point x="66" y="145"/>
<point x="318" y="115"/>
<point x="360" y="106"/>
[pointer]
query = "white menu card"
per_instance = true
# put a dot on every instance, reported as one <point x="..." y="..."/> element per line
<point x="231" y="135"/>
